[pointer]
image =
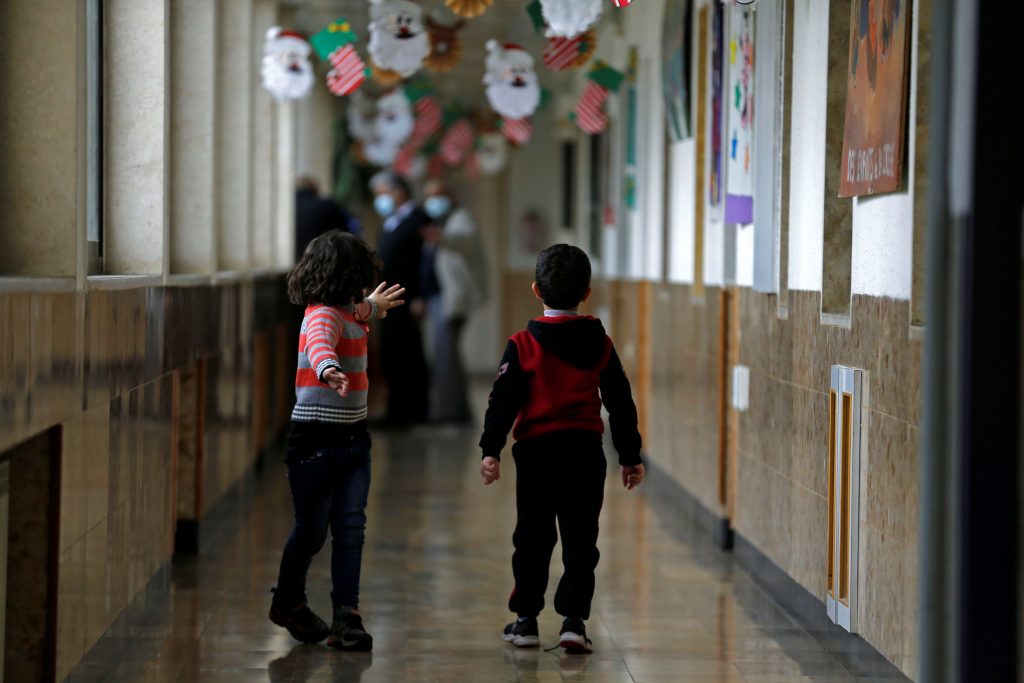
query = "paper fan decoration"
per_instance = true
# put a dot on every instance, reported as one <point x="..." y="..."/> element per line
<point x="569" y="53"/>
<point x="385" y="77"/>
<point x="445" y="46"/>
<point x="468" y="8"/>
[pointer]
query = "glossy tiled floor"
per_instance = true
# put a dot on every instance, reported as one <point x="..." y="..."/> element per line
<point x="670" y="607"/>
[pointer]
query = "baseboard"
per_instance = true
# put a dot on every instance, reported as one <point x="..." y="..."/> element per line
<point x="683" y="512"/>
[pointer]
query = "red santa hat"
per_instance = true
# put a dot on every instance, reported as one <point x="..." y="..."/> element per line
<point x="286" y="38"/>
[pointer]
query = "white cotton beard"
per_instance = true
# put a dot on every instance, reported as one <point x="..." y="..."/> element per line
<point x="568" y="18"/>
<point x="394" y="122"/>
<point x="284" y="84"/>
<point x="395" y="54"/>
<point x="511" y="102"/>
<point x="380" y="152"/>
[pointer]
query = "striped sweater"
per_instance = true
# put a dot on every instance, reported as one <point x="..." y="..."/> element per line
<point x="331" y="336"/>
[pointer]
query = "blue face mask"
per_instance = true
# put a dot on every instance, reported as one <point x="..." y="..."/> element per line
<point x="384" y="205"/>
<point x="437" y="206"/>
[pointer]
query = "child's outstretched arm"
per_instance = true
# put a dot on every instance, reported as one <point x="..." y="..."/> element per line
<point x="617" y="396"/>
<point x="380" y="301"/>
<point x="502" y="410"/>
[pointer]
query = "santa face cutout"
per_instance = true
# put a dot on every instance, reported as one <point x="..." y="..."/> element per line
<point x="285" y="69"/>
<point x="492" y="153"/>
<point x="398" y="41"/>
<point x="512" y="86"/>
<point x="568" y="18"/>
<point x="394" y="121"/>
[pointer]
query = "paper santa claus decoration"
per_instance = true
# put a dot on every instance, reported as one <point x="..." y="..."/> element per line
<point x="491" y="153"/>
<point x="512" y="86"/>
<point x="336" y="45"/>
<point x="568" y="18"/>
<point x="398" y="41"/>
<point x="392" y="126"/>
<point x="285" y="69"/>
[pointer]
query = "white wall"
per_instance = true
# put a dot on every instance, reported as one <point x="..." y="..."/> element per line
<point x="682" y="208"/>
<point x="807" y="149"/>
<point x="883" y="226"/>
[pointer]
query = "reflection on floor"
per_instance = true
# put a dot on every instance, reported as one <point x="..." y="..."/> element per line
<point x="670" y="607"/>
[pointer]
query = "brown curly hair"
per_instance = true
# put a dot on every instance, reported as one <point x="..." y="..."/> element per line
<point x="334" y="270"/>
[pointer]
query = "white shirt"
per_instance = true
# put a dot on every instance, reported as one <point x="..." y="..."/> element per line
<point x="392" y="221"/>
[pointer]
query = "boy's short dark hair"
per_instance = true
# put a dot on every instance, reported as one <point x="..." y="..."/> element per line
<point x="563" y="276"/>
<point x="334" y="270"/>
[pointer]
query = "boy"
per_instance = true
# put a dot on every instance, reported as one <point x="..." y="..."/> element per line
<point x="551" y="383"/>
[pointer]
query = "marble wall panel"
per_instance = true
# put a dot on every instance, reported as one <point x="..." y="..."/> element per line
<point x="781" y="504"/>
<point x="99" y="363"/>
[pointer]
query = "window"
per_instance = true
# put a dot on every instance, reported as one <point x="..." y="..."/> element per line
<point x="94" y="133"/>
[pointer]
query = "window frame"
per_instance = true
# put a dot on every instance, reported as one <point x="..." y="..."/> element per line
<point x="94" y="134"/>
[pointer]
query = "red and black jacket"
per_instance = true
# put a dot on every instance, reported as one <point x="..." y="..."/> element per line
<point x="554" y="377"/>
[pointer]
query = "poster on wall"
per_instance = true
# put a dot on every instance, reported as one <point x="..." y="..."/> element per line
<point x="675" y="45"/>
<point x="739" y="175"/>
<point x="715" y="178"/>
<point x="876" y="97"/>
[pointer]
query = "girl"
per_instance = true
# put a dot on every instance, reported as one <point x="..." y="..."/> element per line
<point x="328" y="450"/>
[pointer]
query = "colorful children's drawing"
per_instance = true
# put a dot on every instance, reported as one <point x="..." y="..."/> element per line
<point x="739" y="176"/>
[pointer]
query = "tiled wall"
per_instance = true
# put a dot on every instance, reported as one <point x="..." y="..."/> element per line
<point x="780" y="501"/>
<point x="101" y="364"/>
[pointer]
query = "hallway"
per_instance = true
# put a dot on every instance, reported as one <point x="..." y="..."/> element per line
<point x="669" y="607"/>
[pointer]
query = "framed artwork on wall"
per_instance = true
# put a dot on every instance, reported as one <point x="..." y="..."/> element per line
<point x="739" y="99"/>
<point x="876" y="97"/>
<point x="675" y="70"/>
<point x="717" y="59"/>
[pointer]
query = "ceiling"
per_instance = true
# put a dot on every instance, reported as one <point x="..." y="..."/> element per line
<point x="505" y="20"/>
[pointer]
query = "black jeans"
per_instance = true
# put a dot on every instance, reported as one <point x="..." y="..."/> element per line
<point x="559" y="477"/>
<point x="405" y="367"/>
<point x="329" y="489"/>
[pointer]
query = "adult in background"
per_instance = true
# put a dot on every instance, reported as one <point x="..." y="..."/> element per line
<point x="400" y="249"/>
<point x="460" y="268"/>
<point x="315" y="215"/>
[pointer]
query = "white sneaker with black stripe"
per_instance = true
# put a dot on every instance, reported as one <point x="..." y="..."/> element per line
<point x="573" y="637"/>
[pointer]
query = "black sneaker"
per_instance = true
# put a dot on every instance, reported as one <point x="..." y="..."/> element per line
<point x="347" y="632"/>
<point x="301" y="622"/>
<point x="522" y="633"/>
<point x="573" y="637"/>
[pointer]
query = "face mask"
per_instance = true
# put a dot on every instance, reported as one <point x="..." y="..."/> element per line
<point x="437" y="206"/>
<point x="384" y="205"/>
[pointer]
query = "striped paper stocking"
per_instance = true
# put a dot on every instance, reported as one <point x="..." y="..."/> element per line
<point x="349" y="71"/>
<point x="457" y="142"/>
<point x="622" y="3"/>
<point x="518" y="131"/>
<point x="589" y="116"/>
<point x="428" y="119"/>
